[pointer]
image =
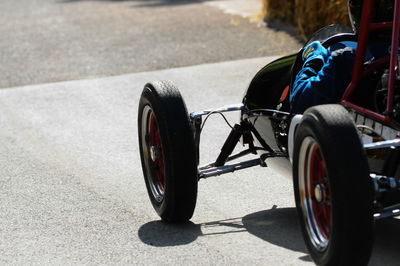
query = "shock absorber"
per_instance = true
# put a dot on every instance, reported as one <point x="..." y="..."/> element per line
<point x="229" y="145"/>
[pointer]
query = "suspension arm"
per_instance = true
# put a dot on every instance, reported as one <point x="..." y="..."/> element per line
<point x="211" y="170"/>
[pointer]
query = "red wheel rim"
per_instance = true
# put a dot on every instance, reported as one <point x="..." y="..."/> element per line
<point x="315" y="193"/>
<point x="157" y="159"/>
<point x="321" y="206"/>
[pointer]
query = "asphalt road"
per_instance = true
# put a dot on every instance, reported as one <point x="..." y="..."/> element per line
<point x="71" y="186"/>
<point x="72" y="190"/>
<point x="56" y="40"/>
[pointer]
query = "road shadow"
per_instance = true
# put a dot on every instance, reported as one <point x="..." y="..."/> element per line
<point x="161" y="234"/>
<point x="280" y="227"/>
<point x="277" y="226"/>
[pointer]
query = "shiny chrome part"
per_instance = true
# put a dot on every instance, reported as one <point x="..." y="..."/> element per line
<point x="382" y="144"/>
<point x="292" y="129"/>
<point x="319" y="193"/>
<point x="390" y="211"/>
<point x="267" y="112"/>
<point x="154" y="153"/>
<point x="196" y="118"/>
<point x="223" y="109"/>
<point x="314" y="199"/>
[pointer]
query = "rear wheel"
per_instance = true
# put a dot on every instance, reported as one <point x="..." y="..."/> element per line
<point x="333" y="190"/>
<point x="167" y="152"/>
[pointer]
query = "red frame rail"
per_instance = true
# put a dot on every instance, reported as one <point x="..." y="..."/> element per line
<point x="359" y="72"/>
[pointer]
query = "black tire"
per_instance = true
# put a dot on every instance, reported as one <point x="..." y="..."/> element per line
<point x="333" y="190"/>
<point x="167" y="152"/>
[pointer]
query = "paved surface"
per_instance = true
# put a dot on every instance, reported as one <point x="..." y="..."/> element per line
<point x="72" y="191"/>
<point x="71" y="186"/>
<point x="244" y="8"/>
<point x="56" y="40"/>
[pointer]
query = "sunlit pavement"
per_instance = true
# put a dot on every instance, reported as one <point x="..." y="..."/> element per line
<point x="45" y="41"/>
<point x="72" y="190"/>
<point x="244" y="8"/>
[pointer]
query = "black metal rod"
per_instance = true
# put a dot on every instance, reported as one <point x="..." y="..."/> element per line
<point x="216" y="171"/>
<point x="243" y="153"/>
<point x="229" y="145"/>
<point x="196" y="122"/>
<point x="390" y="211"/>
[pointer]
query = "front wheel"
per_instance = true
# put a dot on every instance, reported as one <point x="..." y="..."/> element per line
<point x="333" y="190"/>
<point x="167" y="152"/>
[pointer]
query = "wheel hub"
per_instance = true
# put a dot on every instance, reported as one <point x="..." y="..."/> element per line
<point x="154" y="153"/>
<point x="319" y="193"/>
<point x="152" y="148"/>
<point x="315" y="193"/>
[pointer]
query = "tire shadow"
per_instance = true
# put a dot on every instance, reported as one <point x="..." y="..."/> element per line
<point x="277" y="226"/>
<point x="161" y="234"/>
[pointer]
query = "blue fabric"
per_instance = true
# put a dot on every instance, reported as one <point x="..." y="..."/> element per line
<point x="315" y="51"/>
<point x="326" y="81"/>
<point x="324" y="85"/>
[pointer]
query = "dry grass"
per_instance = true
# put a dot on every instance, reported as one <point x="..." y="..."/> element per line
<point x="281" y="9"/>
<point x="307" y="15"/>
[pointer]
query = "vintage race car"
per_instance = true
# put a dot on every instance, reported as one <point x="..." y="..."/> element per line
<point x="343" y="158"/>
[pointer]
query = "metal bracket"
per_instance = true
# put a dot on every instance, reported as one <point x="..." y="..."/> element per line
<point x="211" y="170"/>
<point x="220" y="170"/>
<point x="196" y="119"/>
<point x="382" y="144"/>
<point x="391" y="211"/>
<point x="223" y="109"/>
<point x="384" y="183"/>
<point x="218" y="167"/>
